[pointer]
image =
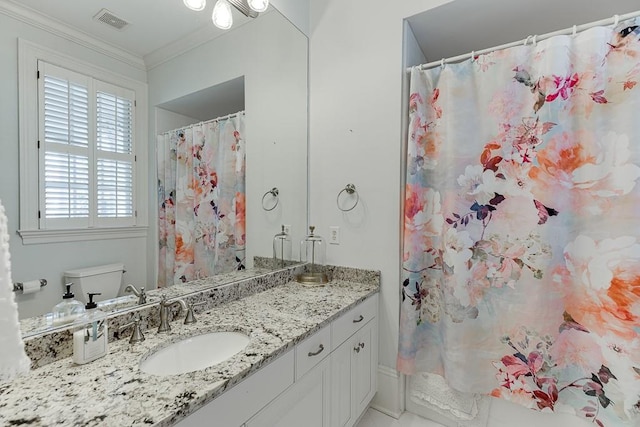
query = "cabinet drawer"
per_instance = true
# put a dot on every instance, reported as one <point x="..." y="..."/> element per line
<point x="312" y="351"/>
<point x="345" y="326"/>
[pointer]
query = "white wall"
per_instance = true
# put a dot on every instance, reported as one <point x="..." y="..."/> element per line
<point x="272" y="56"/>
<point x="48" y="261"/>
<point x="296" y="11"/>
<point x="355" y="105"/>
<point x="168" y="120"/>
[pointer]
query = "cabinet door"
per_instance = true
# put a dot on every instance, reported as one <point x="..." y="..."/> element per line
<point x="341" y="385"/>
<point x="354" y="367"/>
<point x="365" y="366"/>
<point x="306" y="403"/>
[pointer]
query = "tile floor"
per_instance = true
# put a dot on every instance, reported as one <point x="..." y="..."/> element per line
<point x="373" y="418"/>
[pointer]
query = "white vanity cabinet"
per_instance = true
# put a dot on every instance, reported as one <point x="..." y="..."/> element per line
<point x="354" y="366"/>
<point x="326" y="381"/>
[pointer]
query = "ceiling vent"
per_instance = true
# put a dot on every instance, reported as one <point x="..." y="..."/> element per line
<point x="243" y="7"/>
<point x="107" y="17"/>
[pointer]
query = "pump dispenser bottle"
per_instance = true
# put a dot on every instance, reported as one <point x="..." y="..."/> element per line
<point x="68" y="310"/>
<point x="90" y="338"/>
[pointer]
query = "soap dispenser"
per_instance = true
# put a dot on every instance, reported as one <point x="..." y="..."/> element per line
<point x="68" y="310"/>
<point x="90" y="338"/>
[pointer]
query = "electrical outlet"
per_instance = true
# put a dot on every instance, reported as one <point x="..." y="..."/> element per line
<point x="287" y="229"/>
<point x="334" y="235"/>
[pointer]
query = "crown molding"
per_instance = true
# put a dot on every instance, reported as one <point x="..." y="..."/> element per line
<point x="180" y="46"/>
<point x="192" y="41"/>
<point x="59" y="29"/>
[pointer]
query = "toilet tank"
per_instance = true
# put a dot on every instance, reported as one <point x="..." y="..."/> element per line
<point x="103" y="279"/>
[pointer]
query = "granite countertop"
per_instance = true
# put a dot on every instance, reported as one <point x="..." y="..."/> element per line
<point x="112" y="391"/>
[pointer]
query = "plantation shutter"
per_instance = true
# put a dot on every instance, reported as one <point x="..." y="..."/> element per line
<point x="114" y="154"/>
<point x="65" y="152"/>
<point x="87" y="157"/>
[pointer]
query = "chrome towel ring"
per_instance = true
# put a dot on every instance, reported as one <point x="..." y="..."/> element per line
<point x="350" y="189"/>
<point x="274" y="193"/>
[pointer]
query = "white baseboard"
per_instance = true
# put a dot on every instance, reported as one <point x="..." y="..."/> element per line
<point x="390" y="396"/>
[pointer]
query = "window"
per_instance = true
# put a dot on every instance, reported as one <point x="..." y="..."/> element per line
<point x="84" y="170"/>
<point x="86" y="151"/>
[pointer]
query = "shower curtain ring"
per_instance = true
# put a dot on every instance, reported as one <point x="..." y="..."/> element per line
<point x="534" y="40"/>
<point x="527" y="40"/>
<point x="350" y="189"/>
<point x="442" y="63"/>
<point x="575" y="30"/>
<point x="616" y="20"/>
<point x="274" y="192"/>
<point x="473" y="55"/>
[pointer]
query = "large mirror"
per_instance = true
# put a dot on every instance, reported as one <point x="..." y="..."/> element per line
<point x="259" y="66"/>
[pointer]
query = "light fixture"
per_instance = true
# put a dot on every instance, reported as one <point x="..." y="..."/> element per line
<point x="221" y="16"/>
<point x="258" y="5"/>
<point x="196" y="5"/>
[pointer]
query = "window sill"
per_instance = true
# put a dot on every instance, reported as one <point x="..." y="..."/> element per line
<point x="37" y="237"/>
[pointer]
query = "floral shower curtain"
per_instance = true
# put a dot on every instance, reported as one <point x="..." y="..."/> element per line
<point x="201" y="192"/>
<point x="522" y="225"/>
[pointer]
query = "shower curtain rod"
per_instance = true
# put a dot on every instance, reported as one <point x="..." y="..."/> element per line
<point x="217" y="119"/>
<point x="573" y="30"/>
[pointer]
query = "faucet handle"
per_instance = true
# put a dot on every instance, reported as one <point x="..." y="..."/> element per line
<point x="142" y="298"/>
<point x="137" y="335"/>
<point x="190" y="318"/>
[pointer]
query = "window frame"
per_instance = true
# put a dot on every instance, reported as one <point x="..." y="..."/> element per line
<point x="30" y="230"/>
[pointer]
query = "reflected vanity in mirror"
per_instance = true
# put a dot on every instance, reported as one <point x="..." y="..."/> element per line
<point x="259" y="67"/>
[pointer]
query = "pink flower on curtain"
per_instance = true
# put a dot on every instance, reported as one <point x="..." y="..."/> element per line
<point x="557" y="86"/>
<point x="423" y="210"/>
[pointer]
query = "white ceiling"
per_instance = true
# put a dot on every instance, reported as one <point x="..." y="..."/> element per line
<point x="462" y="26"/>
<point x="154" y="23"/>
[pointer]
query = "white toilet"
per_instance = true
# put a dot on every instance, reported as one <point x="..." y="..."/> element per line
<point x="103" y="279"/>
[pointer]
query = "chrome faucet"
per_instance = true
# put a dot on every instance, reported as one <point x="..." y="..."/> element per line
<point x="165" y="307"/>
<point x="142" y="296"/>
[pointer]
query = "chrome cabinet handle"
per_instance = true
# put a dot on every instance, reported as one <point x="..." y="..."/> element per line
<point x="359" y="319"/>
<point x="315" y="353"/>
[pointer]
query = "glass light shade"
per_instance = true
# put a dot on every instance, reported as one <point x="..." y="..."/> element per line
<point x="222" y="17"/>
<point x="196" y="5"/>
<point x="259" y="5"/>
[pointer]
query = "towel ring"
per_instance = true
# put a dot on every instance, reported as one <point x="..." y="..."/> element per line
<point x="274" y="192"/>
<point x="350" y="189"/>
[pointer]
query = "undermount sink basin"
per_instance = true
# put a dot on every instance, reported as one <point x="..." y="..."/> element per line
<point x="194" y="353"/>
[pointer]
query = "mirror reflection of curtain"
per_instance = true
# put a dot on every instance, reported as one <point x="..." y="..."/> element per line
<point x="521" y="225"/>
<point x="201" y="193"/>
